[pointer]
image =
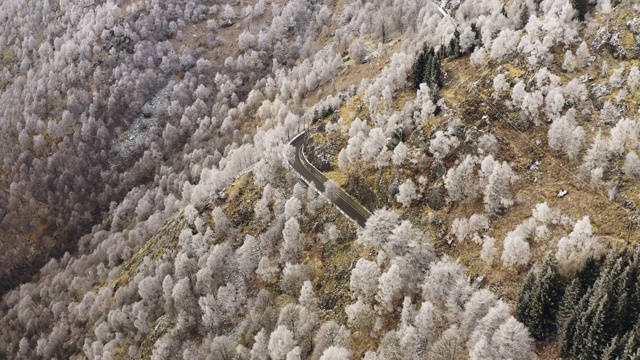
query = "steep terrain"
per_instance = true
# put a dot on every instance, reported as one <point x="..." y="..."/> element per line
<point x="494" y="144"/>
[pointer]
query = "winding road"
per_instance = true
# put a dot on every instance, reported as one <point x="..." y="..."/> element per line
<point x="308" y="173"/>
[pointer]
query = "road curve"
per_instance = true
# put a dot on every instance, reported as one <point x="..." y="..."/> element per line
<point x="308" y="173"/>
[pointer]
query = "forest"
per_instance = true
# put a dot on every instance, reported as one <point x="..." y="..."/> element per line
<point x="153" y="206"/>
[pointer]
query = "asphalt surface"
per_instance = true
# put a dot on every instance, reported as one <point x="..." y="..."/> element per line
<point x="310" y="174"/>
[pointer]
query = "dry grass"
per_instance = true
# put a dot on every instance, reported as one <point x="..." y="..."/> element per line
<point x="338" y="176"/>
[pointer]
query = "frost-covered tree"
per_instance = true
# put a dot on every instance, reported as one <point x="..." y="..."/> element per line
<point x="512" y="341"/>
<point x="631" y="166"/>
<point x="378" y="228"/>
<point x="364" y="279"/>
<point x="228" y="16"/>
<point x="390" y="288"/>
<point x="569" y="64"/>
<point x="469" y="228"/>
<point x="461" y="182"/>
<point x="582" y="53"/>
<point x="336" y="353"/>
<point x="292" y="246"/>
<point x="488" y="144"/>
<point x="331" y="190"/>
<point x="399" y="154"/>
<point x="499" y="179"/>
<point x="566" y="136"/>
<point x="516" y="247"/>
<point x="574" y="250"/>
<point x="360" y="316"/>
<point x="407" y="192"/>
<point x="633" y="78"/>
<point x="359" y="51"/>
<point x="281" y="342"/>
<point x="489" y="250"/>
<point x="442" y="144"/>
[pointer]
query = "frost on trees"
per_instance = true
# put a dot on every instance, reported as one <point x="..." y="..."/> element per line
<point x="364" y="279"/>
<point x="464" y="229"/>
<point x="499" y="180"/>
<point x="379" y="227"/>
<point x="516" y="247"/>
<point x="489" y="250"/>
<point x="576" y="248"/>
<point x="566" y="136"/>
<point x="461" y="182"/>
<point x="443" y="143"/>
<point x="331" y="190"/>
<point x="407" y="192"/>
<point x="631" y="166"/>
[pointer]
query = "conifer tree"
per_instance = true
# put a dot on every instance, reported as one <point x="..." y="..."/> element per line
<point x="630" y="344"/>
<point x="418" y="69"/>
<point x="596" y="337"/>
<point x="569" y="314"/>
<point x="524" y="297"/>
<point x="582" y="7"/>
<point x="611" y="351"/>
<point x="454" y="45"/>
<point x="539" y="299"/>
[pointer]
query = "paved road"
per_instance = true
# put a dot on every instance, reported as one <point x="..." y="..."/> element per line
<point x="348" y="205"/>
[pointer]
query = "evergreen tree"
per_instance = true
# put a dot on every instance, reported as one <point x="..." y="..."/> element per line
<point x="569" y="315"/>
<point x="588" y="274"/>
<point x="539" y="301"/>
<point x="611" y="351"/>
<point x="476" y="30"/>
<point x="582" y="7"/>
<point x="454" y="45"/>
<point x="621" y="293"/>
<point x="596" y="338"/>
<point x="437" y="76"/>
<point x="418" y="69"/>
<point x="524" y="16"/>
<point x="524" y="297"/>
<point x="630" y="344"/>
<point x="428" y="68"/>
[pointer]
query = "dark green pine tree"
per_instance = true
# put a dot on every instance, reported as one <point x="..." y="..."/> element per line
<point x="524" y="16"/>
<point x="419" y="66"/>
<point x="622" y="292"/>
<point x="540" y="298"/>
<point x="595" y="327"/>
<point x="454" y="45"/>
<point x="437" y="76"/>
<point x="574" y="304"/>
<point x="571" y="315"/>
<point x="582" y="7"/>
<point x="478" y="36"/>
<point x="630" y="343"/>
<point x="597" y="335"/>
<point x="611" y="351"/>
<point x="634" y="292"/>
<point x="524" y="296"/>
<point x="428" y="68"/>
<point x="548" y="295"/>
<point x="589" y="273"/>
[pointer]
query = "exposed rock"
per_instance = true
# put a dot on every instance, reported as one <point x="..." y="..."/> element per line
<point x="435" y="198"/>
<point x="585" y="78"/>
<point x="600" y="90"/>
<point x="437" y="171"/>
<point x="612" y="40"/>
<point x="601" y="38"/>
<point x="617" y="48"/>
<point x="634" y="25"/>
<point x="482" y="123"/>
